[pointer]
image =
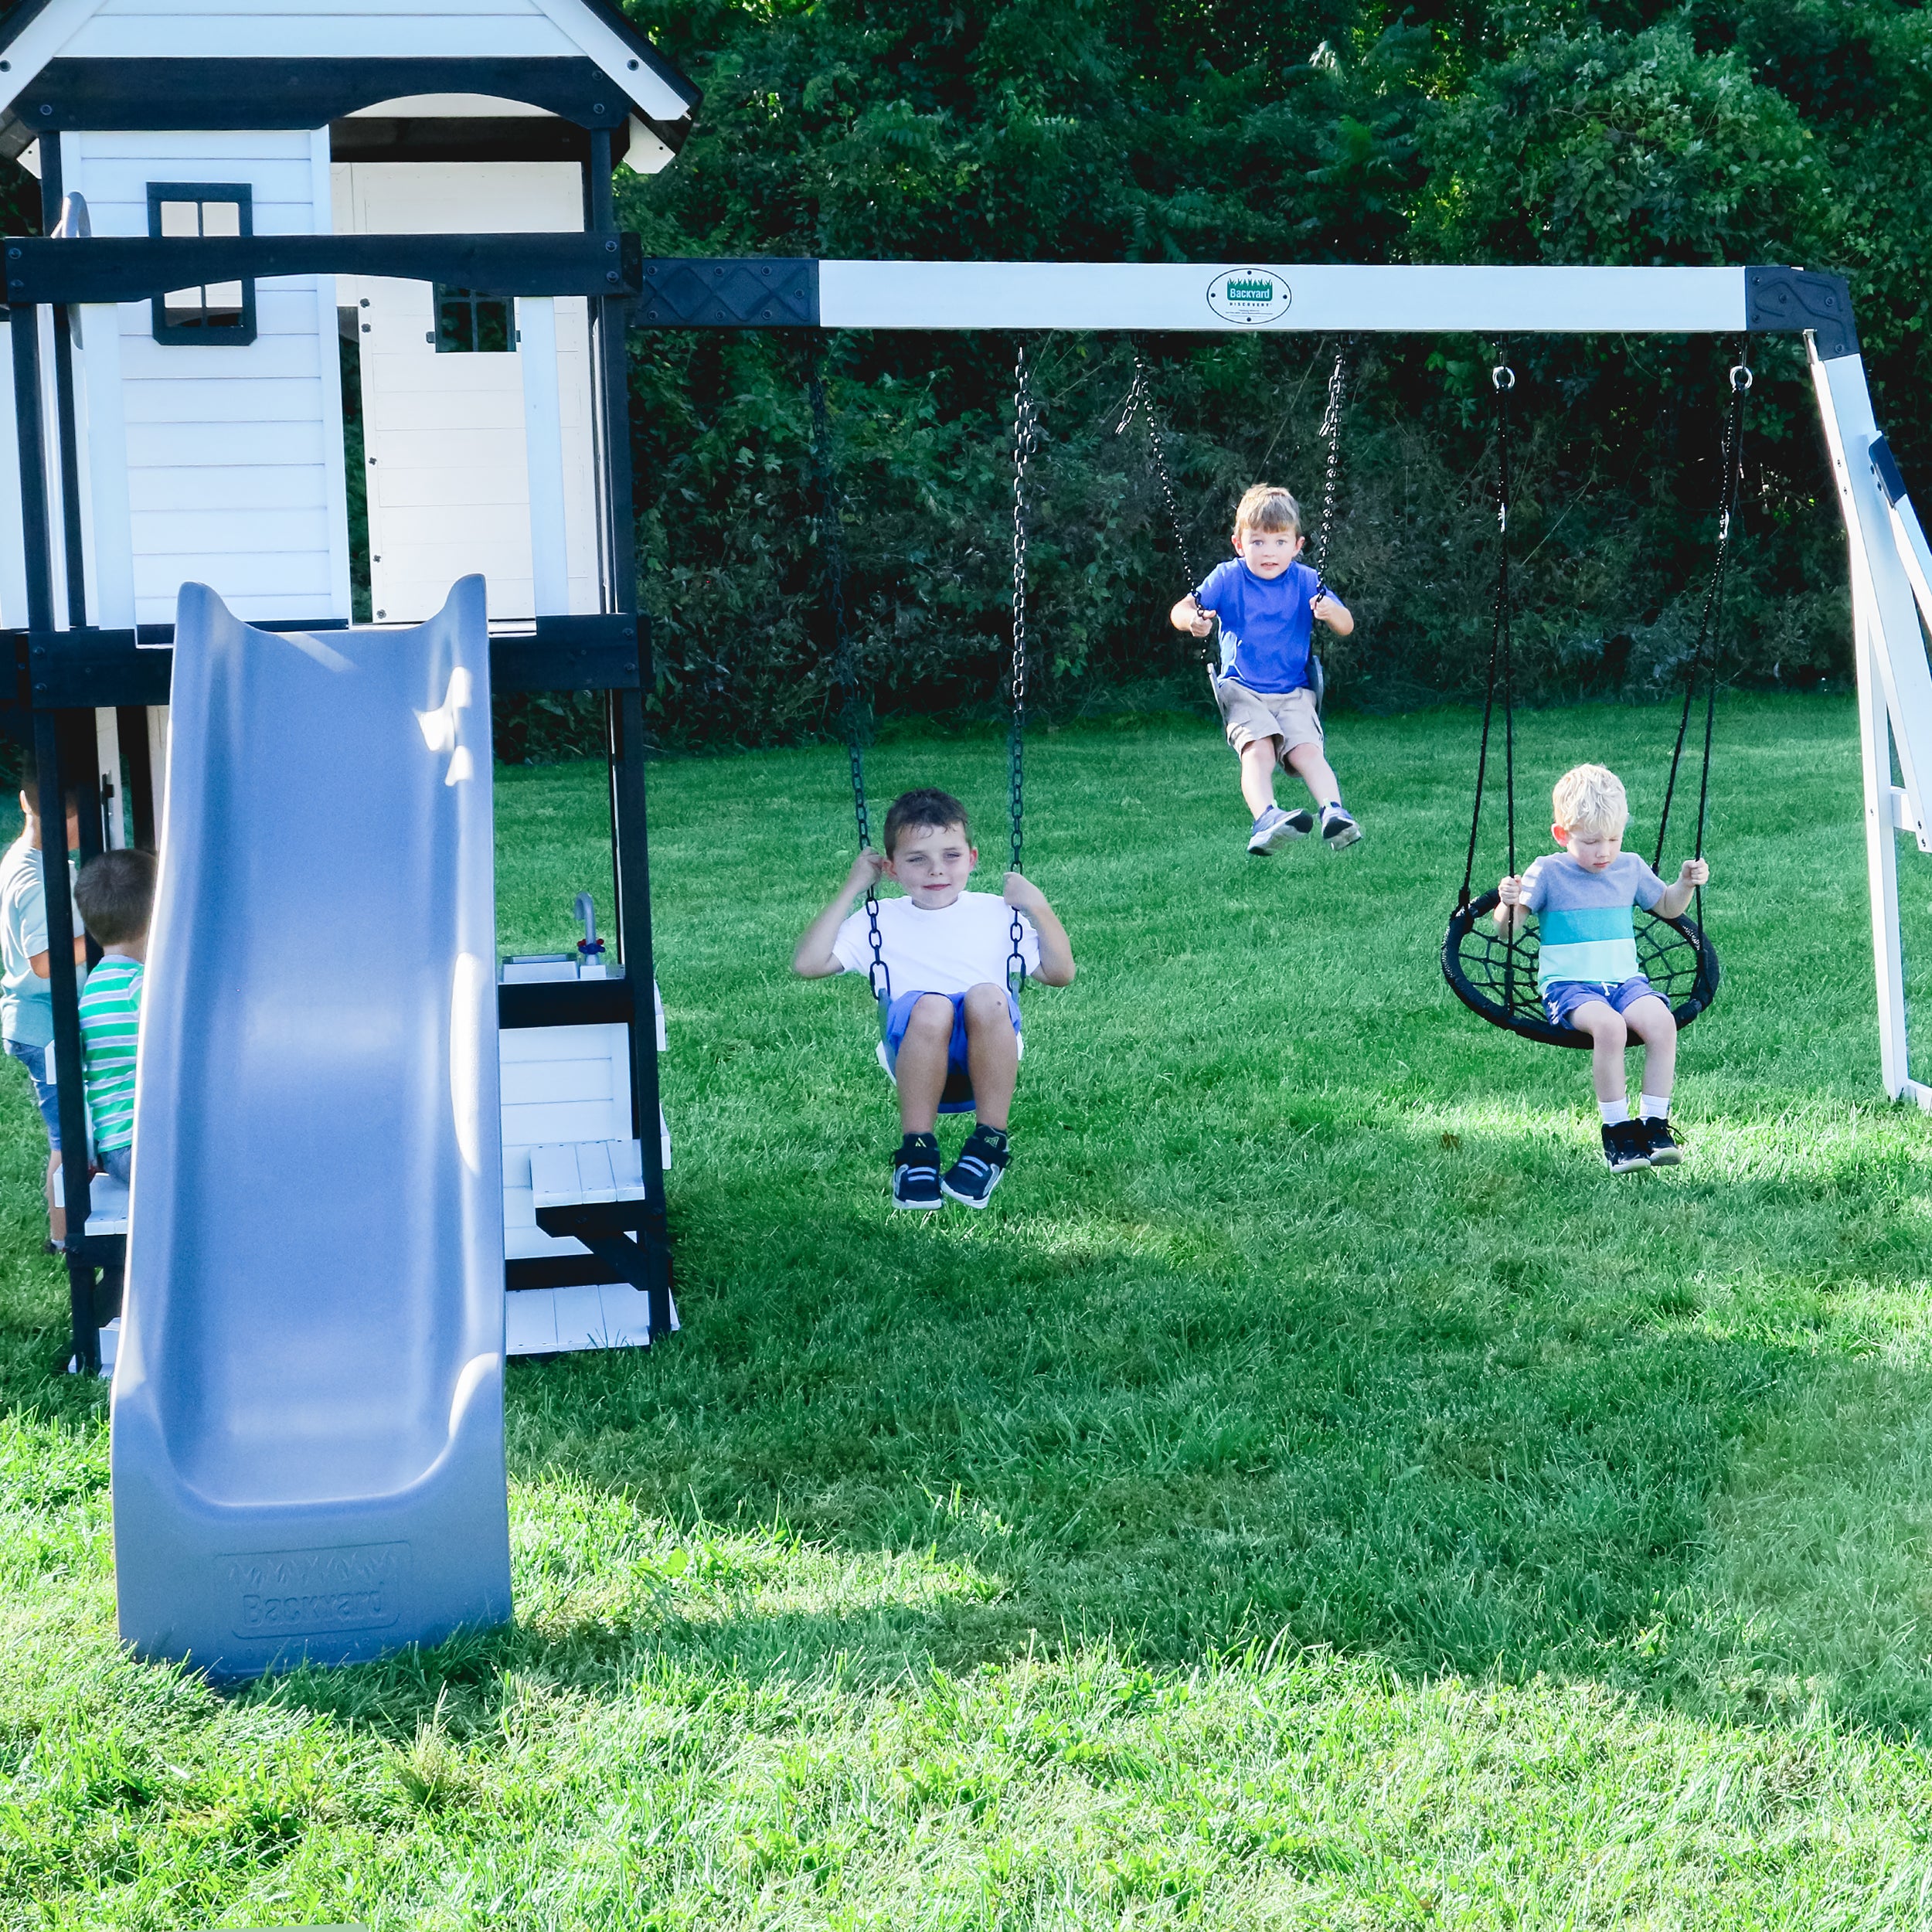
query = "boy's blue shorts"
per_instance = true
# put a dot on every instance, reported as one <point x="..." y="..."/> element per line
<point x="1562" y="997"/>
<point x="899" y="1016"/>
<point x="46" y="1096"/>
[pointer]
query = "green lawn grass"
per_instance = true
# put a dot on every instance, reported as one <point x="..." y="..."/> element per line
<point x="1315" y="1494"/>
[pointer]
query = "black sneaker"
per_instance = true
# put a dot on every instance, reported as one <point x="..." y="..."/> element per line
<point x="916" y="1174"/>
<point x="1627" y="1145"/>
<point x="981" y="1168"/>
<point x="1337" y="828"/>
<point x="1665" y="1148"/>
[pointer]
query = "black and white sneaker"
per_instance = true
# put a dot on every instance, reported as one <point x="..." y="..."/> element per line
<point x="1337" y="828"/>
<point x="1627" y="1145"/>
<point x="981" y="1168"/>
<point x="916" y="1174"/>
<point x="1275" y="828"/>
<point x="1665" y="1148"/>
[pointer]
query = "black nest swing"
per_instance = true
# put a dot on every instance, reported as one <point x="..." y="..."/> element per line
<point x="1494" y="973"/>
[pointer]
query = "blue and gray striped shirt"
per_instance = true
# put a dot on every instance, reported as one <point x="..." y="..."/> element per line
<point x="1584" y="927"/>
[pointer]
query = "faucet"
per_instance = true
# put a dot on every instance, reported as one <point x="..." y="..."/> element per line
<point x="589" y="947"/>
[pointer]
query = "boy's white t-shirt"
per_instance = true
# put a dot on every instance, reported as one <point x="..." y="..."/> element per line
<point x="963" y="945"/>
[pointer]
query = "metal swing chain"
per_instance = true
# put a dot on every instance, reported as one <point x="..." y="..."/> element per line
<point x="1711" y="619"/>
<point x="1730" y="493"/>
<point x="1139" y="403"/>
<point x="1025" y="441"/>
<point x="1503" y="379"/>
<point x="1331" y="433"/>
<point x="845" y="665"/>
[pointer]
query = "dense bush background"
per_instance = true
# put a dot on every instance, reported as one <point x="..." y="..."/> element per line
<point x="1171" y="130"/>
<point x="1551" y="131"/>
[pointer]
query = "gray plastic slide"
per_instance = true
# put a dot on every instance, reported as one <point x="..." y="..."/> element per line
<point x="307" y="1441"/>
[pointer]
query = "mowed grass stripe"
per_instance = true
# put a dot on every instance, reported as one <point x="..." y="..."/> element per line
<point x="1315" y="1493"/>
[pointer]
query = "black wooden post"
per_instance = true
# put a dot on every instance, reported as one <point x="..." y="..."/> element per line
<point x="24" y="324"/>
<point x="630" y="844"/>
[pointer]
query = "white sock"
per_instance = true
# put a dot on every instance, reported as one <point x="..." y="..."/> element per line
<point x="1652" y="1108"/>
<point x="1614" y="1112"/>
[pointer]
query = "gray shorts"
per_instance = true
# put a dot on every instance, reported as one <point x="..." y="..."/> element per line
<point x="1250" y="716"/>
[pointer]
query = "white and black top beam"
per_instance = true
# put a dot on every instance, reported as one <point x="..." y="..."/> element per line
<point x="754" y="293"/>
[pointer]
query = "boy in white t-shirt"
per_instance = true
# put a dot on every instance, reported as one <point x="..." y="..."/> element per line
<point x="952" y="1018"/>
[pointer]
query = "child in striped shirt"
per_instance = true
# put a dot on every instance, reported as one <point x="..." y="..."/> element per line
<point x="115" y="896"/>
<point x="1587" y="972"/>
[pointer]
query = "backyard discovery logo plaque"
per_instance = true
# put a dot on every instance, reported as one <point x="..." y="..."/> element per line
<point x="1249" y="295"/>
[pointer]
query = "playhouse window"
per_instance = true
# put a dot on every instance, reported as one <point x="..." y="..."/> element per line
<point x="468" y="324"/>
<point x="212" y="312"/>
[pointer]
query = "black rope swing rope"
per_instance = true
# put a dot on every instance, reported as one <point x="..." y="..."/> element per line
<point x="855" y="711"/>
<point x="1494" y="973"/>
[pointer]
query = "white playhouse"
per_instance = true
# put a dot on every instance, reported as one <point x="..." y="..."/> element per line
<point x="197" y="434"/>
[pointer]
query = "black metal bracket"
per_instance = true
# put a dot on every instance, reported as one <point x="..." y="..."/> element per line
<point x="586" y="653"/>
<point x="781" y="291"/>
<point x="606" y="1229"/>
<point x="1786" y="299"/>
<point x="123" y="269"/>
<point x="1884" y="466"/>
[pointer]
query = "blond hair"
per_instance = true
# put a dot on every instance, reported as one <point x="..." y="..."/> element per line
<point x="1590" y="798"/>
<point x="1268" y="507"/>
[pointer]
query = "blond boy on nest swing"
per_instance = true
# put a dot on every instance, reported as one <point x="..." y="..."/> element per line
<point x="1587" y="971"/>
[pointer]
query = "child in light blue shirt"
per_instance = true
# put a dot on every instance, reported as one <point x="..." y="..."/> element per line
<point x="1587" y="953"/>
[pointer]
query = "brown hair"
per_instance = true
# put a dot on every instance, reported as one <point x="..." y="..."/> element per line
<point x="928" y="809"/>
<point x="115" y="894"/>
<point x="1268" y="507"/>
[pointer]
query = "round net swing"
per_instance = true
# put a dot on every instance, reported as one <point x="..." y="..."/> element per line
<point x="1494" y="973"/>
<point x="1495" y="977"/>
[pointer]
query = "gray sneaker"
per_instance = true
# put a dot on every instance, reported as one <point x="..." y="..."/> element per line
<point x="1275" y="828"/>
<point x="1337" y="828"/>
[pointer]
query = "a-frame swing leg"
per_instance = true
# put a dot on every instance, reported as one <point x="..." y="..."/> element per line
<point x="1881" y="871"/>
<point x="1895" y="692"/>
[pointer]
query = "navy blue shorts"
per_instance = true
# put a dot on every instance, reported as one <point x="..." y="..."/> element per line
<point x="899" y="1017"/>
<point x="45" y="1095"/>
<point x="1562" y="997"/>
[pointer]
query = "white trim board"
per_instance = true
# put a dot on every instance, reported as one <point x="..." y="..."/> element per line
<point x="336" y="30"/>
<point x="1164" y="295"/>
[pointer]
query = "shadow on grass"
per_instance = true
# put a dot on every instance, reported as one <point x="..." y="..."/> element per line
<point x="1596" y="1439"/>
<point x="1498" y="1443"/>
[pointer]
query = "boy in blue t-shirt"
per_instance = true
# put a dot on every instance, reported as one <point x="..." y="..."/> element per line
<point x="1586" y="969"/>
<point x="1267" y="603"/>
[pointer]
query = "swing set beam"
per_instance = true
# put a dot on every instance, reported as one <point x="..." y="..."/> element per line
<point x="1890" y="561"/>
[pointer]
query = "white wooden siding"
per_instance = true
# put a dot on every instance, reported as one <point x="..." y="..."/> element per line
<point x="232" y="456"/>
<point x="558" y="1083"/>
<point x="446" y="436"/>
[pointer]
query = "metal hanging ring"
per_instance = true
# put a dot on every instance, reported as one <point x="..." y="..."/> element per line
<point x="1741" y="379"/>
<point x="1504" y="377"/>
